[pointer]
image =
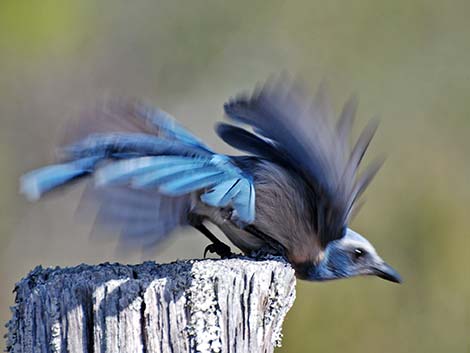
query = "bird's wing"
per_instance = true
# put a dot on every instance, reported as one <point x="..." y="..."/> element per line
<point x="116" y="129"/>
<point x="142" y="218"/>
<point x="291" y="126"/>
<point x="130" y="145"/>
<point x="125" y="128"/>
<point x="220" y="182"/>
<point x="127" y="117"/>
<point x="248" y="142"/>
<point x="158" y="154"/>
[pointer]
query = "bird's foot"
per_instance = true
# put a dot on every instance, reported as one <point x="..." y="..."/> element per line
<point x="219" y="248"/>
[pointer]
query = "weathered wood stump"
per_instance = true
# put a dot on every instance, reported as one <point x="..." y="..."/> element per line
<point x="235" y="305"/>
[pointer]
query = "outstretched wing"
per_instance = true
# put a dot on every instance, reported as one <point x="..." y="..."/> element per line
<point x="219" y="181"/>
<point x="142" y="218"/>
<point x="141" y="156"/>
<point x="113" y="130"/>
<point x="294" y="129"/>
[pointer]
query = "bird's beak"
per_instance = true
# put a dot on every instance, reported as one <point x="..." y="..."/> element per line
<point x="386" y="272"/>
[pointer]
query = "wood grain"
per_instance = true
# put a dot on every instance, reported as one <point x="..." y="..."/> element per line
<point x="234" y="305"/>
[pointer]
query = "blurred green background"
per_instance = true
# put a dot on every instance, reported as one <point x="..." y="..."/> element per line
<point x="409" y="61"/>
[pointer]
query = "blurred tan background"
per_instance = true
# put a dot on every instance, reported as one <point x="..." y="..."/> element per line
<point x="409" y="61"/>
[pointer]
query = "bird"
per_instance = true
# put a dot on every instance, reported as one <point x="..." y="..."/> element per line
<point x="293" y="191"/>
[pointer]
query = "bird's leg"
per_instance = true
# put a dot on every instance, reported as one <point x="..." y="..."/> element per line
<point x="217" y="247"/>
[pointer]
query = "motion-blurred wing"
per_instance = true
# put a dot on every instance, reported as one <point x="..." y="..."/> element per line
<point x="115" y="130"/>
<point x="246" y="141"/>
<point x="302" y="132"/>
<point x="146" y="166"/>
<point x="143" y="218"/>
<point x="218" y="180"/>
<point x="128" y="117"/>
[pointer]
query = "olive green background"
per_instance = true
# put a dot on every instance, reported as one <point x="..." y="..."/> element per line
<point x="409" y="62"/>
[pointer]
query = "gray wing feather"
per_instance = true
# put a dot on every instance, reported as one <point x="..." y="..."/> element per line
<point x="141" y="217"/>
<point x="303" y="132"/>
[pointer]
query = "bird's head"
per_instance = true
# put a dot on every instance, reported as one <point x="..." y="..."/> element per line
<point x="352" y="255"/>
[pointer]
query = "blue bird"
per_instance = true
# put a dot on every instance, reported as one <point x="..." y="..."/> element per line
<point x="293" y="194"/>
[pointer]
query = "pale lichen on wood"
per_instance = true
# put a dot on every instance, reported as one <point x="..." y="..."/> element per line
<point x="233" y="305"/>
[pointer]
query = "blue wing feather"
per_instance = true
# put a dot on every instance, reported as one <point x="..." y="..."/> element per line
<point x="39" y="181"/>
<point x="176" y="175"/>
<point x="131" y="168"/>
<point x="158" y="177"/>
<point x="244" y="202"/>
<point x="164" y="121"/>
<point x="110" y="144"/>
<point x="196" y="181"/>
<point x="149" y="164"/>
<point x="221" y="194"/>
<point x="142" y="217"/>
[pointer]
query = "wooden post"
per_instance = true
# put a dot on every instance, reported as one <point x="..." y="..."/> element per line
<point x="234" y="305"/>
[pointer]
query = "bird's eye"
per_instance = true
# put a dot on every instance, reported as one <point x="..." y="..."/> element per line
<point x="358" y="253"/>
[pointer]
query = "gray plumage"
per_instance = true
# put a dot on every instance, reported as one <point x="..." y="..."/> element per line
<point x="295" y="192"/>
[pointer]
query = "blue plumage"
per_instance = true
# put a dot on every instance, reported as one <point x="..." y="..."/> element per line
<point x="221" y="194"/>
<point x="110" y="144"/>
<point x="122" y="171"/>
<point x="195" y="180"/>
<point x="157" y="177"/>
<point x="169" y="160"/>
<point x="170" y="127"/>
<point x="244" y="201"/>
<point x="142" y="217"/>
<point x="177" y="175"/>
<point x="37" y="182"/>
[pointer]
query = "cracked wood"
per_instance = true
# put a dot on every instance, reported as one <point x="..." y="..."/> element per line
<point x="234" y="305"/>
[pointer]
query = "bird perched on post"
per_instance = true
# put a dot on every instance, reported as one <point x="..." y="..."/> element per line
<point x="295" y="192"/>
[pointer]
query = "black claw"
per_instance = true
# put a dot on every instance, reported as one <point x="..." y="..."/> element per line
<point x="221" y="249"/>
<point x="217" y="247"/>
